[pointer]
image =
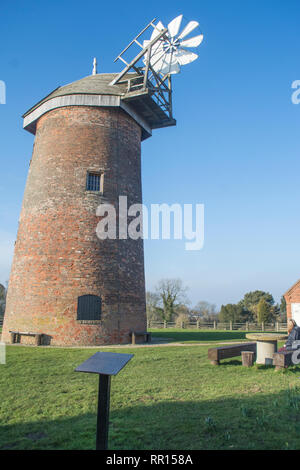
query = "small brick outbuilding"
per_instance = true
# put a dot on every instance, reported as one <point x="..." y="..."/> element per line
<point x="292" y="298"/>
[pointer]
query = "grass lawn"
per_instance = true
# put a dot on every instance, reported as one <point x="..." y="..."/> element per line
<point x="165" y="398"/>
<point x="197" y="336"/>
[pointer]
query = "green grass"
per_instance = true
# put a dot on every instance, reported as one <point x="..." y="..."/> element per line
<point x="165" y="398"/>
<point x="197" y="336"/>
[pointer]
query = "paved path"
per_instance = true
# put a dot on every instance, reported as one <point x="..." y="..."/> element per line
<point x="165" y="344"/>
<point x="153" y="344"/>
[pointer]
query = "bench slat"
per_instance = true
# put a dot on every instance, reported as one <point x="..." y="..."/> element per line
<point x="233" y="350"/>
<point x="140" y="333"/>
<point x="25" y="333"/>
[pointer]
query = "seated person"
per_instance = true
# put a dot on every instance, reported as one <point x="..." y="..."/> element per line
<point x="294" y="335"/>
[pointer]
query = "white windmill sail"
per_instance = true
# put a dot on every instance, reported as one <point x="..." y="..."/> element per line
<point x="172" y="51"/>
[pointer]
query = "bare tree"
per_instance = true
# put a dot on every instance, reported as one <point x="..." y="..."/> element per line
<point x="172" y="294"/>
<point x="205" y="310"/>
<point x="152" y="306"/>
<point x="3" y="291"/>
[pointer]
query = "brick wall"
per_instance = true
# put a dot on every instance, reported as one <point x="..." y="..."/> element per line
<point x="292" y="296"/>
<point x="58" y="256"/>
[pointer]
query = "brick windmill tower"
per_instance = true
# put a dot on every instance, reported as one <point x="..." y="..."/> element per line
<point x="67" y="284"/>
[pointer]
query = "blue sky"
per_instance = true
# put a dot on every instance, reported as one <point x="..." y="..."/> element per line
<point x="235" y="148"/>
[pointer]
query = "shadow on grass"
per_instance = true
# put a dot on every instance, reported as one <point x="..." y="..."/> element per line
<point x="257" y="421"/>
<point x="230" y="362"/>
<point x="199" y="335"/>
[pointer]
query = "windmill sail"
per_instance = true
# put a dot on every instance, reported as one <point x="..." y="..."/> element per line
<point x="172" y="51"/>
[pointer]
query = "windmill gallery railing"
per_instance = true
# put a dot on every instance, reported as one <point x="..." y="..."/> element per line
<point x="230" y="326"/>
<point x="145" y="78"/>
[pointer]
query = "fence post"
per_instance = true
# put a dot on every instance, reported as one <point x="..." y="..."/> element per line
<point x="165" y="324"/>
<point x="262" y="326"/>
<point x="215" y="325"/>
<point x="182" y="325"/>
<point x="230" y="325"/>
<point x="198" y="324"/>
<point x="247" y="326"/>
<point x="277" y="326"/>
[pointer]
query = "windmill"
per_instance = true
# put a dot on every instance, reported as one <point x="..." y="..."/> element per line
<point x="148" y="75"/>
<point x="86" y="290"/>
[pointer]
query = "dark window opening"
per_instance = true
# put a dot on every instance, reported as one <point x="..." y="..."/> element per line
<point x="89" y="307"/>
<point x="93" y="182"/>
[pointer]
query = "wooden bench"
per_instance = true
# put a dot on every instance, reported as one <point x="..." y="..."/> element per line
<point x="282" y="359"/>
<point x="16" y="336"/>
<point x="215" y="355"/>
<point x="146" y="334"/>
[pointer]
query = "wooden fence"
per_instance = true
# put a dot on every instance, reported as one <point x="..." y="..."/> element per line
<point x="214" y="325"/>
<point x="231" y="326"/>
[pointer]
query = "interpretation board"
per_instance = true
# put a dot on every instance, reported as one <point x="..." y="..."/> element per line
<point x="105" y="364"/>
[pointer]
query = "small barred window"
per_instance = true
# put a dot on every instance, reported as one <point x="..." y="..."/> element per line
<point x="89" y="307"/>
<point x="93" y="182"/>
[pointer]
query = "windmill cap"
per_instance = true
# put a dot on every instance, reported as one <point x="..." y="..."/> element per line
<point x="98" y="84"/>
<point x="94" y="90"/>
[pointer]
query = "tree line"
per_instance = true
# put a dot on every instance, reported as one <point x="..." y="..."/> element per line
<point x="169" y="303"/>
<point x="2" y="299"/>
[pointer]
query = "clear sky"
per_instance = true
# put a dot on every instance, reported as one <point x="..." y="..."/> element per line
<point x="236" y="146"/>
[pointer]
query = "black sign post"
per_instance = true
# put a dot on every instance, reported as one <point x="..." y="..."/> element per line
<point x="105" y="364"/>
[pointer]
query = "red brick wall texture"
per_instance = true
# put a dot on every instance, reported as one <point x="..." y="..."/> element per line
<point x="58" y="256"/>
<point x="292" y="296"/>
